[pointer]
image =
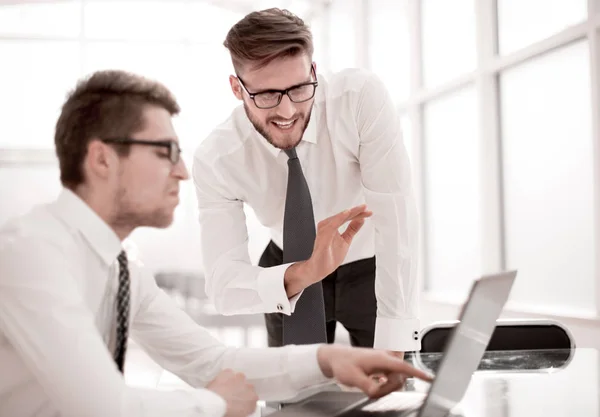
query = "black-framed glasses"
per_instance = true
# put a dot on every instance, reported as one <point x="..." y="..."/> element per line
<point x="268" y="99"/>
<point x="171" y="145"/>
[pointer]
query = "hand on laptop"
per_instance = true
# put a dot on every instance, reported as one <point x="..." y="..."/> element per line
<point x="399" y="355"/>
<point x="355" y="367"/>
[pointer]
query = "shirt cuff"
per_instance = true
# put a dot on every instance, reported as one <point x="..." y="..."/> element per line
<point x="303" y="366"/>
<point x="401" y="335"/>
<point x="271" y="290"/>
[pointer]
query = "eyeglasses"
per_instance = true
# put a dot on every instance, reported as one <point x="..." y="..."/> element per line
<point x="271" y="98"/>
<point x="171" y="145"/>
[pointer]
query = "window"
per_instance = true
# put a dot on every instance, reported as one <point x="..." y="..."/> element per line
<point x="129" y="20"/>
<point x="342" y="40"/>
<point x="389" y="53"/>
<point x="521" y="23"/>
<point x="35" y="77"/>
<point x="548" y="179"/>
<point x="207" y="98"/>
<point x="25" y="186"/>
<point x="32" y="19"/>
<point x="319" y="27"/>
<point x="452" y="190"/>
<point x="449" y="48"/>
<point x="208" y="21"/>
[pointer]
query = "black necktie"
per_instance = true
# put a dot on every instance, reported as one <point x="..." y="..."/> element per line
<point x="307" y="324"/>
<point x="122" y="312"/>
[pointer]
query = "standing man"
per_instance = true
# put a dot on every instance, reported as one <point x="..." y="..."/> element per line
<point x="302" y="148"/>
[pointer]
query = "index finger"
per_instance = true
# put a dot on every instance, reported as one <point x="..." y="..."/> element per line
<point x="393" y="364"/>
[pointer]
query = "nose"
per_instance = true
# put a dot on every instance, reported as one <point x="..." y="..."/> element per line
<point x="286" y="108"/>
<point x="180" y="170"/>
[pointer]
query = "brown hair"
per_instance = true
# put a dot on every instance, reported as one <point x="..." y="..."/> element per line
<point x="108" y="104"/>
<point x="260" y="37"/>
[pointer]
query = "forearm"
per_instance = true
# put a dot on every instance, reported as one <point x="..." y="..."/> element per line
<point x="236" y="287"/>
<point x="278" y="373"/>
<point x="233" y="284"/>
<point x="180" y="345"/>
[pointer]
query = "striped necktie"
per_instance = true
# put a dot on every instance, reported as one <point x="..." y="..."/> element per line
<point x="122" y="305"/>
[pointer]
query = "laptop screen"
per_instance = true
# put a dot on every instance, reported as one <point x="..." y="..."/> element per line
<point x="467" y="343"/>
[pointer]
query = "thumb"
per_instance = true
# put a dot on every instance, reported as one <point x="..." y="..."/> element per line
<point x="352" y="229"/>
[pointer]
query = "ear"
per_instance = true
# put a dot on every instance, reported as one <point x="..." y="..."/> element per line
<point x="314" y="64"/>
<point x="236" y="88"/>
<point x="100" y="160"/>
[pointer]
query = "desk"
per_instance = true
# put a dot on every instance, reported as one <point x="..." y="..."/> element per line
<point x="529" y="384"/>
<point x="566" y="383"/>
<point x="526" y="384"/>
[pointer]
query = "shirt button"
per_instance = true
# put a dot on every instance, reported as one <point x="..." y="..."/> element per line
<point x="280" y="307"/>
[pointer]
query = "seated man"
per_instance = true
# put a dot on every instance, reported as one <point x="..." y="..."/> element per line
<point x="69" y="299"/>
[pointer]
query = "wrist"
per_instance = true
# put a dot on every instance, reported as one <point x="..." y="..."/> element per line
<point x="324" y="354"/>
<point x="297" y="277"/>
<point x="308" y="273"/>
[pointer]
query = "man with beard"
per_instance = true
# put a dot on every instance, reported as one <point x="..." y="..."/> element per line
<point x="301" y="148"/>
<point x="69" y="298"/>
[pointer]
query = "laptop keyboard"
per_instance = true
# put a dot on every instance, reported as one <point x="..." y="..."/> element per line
<point x="390" y="405"/>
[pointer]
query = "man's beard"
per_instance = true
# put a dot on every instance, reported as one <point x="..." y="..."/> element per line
<point x="128" y="216"/>
<point x="263" y="130"/>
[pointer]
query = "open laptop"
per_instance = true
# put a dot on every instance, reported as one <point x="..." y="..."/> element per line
<point x="462" y="354"/>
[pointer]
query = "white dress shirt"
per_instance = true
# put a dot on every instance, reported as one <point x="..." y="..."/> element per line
<point x="58" y="280"/>
<point x="351" y="153"/>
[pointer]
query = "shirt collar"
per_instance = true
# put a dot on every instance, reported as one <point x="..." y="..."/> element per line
<point x="76" y="213"/>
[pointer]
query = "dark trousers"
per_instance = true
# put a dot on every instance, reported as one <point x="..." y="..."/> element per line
<point x="349" y="294"/>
